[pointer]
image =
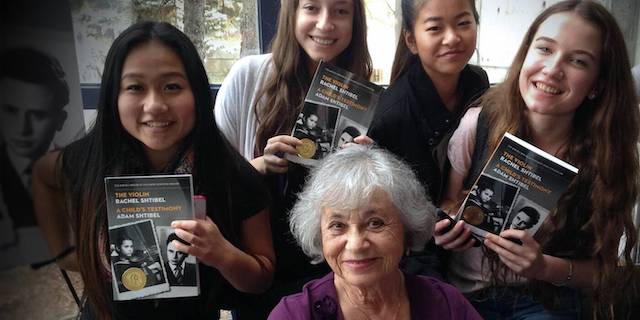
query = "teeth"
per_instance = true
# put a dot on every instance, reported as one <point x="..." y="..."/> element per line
<point x="323" y="41"/>
<point x="157" y="124"/>
<point x="547" y="89"/>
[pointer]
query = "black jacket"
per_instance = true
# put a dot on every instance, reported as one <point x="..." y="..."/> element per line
<point x="412" y="122"/>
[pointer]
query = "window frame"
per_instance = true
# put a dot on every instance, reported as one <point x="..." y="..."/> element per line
<point x="267" y="22"/>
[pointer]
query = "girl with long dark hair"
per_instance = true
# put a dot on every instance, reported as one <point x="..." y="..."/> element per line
<point x="154" y="116"/>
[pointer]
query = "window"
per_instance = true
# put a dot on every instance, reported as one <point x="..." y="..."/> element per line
<point x="222" y="30"/>
<point x="382" y="36"/>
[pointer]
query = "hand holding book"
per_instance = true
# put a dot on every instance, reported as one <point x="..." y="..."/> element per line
<point x="525" y="259"/>
<point x="451" y="233"/>
<point x="273" y="158"/>
<point x="206" y="241"/>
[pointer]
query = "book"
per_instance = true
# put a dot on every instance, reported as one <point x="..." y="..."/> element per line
<point x="338" y="107"/>
<point x="517" y="189"/>
<point x="144" y="262"/>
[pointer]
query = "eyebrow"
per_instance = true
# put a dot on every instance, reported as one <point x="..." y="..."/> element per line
<point x="458" y="16"/>
<point x="168" y="74"/>
<point x="338" y="214"/>
<point x="579" y="51"/>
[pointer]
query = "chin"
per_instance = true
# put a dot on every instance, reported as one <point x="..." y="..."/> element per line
<point x="364" y="280"/>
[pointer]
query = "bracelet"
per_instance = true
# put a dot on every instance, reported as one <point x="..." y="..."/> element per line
<point x="569" y="276"/>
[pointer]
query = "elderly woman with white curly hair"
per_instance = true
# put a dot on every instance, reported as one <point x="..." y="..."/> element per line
<point x="361" y="209"/>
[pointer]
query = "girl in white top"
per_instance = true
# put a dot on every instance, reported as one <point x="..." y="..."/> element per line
<point x="259" y="103"/>
<point x="261" y="97"/>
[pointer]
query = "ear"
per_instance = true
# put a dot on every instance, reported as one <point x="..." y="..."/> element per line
<point x="410" y="42"/>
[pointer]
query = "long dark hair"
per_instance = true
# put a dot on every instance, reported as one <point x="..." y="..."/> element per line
<point x="108" y="149"/>
<point x="289" y="80"/>
<point x="597" y="207"/>
<point x="403" y="56"/>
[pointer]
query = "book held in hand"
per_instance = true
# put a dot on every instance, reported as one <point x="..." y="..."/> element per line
<point x="518" y="188"/>
<point x="144" y="261"/>
<point x="339" y="106"/>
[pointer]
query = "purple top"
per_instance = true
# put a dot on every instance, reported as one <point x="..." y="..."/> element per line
<point x="429" y="299"/>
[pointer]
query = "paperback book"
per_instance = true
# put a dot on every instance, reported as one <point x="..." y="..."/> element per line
<point x="518" y="188"/>
<point x="339" y="106"/>
<point x="144" y="260"/>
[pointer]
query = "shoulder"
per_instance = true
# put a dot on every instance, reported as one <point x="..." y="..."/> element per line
<point x="470" y="118"/>
<point x="247" y="174"/>
<point x="476" y="73"/>
<point x="437" y="297"/>
<point x="47" y="162"/>
<point x="317" y="297"/>
<point x="433" y="285"/>
<point x="392" y="108"/>
<point x="246" y="72"/>
<point x="249" y="192"/>
<point x="241" y="83"/>
<point x="249" y="65"/>
<point x="463" y="138"/>
<point x="395" y="95"/>
<point x="46" y="168"/>
<point x="467" y="127"/>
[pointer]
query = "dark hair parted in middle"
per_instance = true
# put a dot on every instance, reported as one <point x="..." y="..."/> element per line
<point x="108" y="150"/>
<point x="410" y="10"/>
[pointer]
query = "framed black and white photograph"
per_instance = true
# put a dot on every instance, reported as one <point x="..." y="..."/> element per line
<point x="526" y="215"/>
<point x="488" y="204"/>
<point x="316" y="128"/>
<point x="347" y="130"/>
<point x="137" y="265"/>
<point x="181" y="268"/>
<point x="40" y="110"/>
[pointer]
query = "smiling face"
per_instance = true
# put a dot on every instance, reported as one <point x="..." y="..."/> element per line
<point x="561" y="66"/>
<point x="155" y="103"/>
<point x="363" y="246"/>
<point x="443" y="36"/>
<point x="323" y="28"/>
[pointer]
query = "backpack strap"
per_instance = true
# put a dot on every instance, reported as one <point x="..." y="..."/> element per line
<point x="479" y="156"/>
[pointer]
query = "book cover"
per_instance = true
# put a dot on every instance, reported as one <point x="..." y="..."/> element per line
<point x="144" y="262"/>
<point x="339" y="106"/>
<point x="518" y="188"/>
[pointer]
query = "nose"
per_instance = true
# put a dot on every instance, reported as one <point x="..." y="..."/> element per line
<point x="155" y="102"/>
<point x="357" y="240"/>
<point x="553" y="67"/>
<point x="451" y="37"/>
<point x="325" y="22"/>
